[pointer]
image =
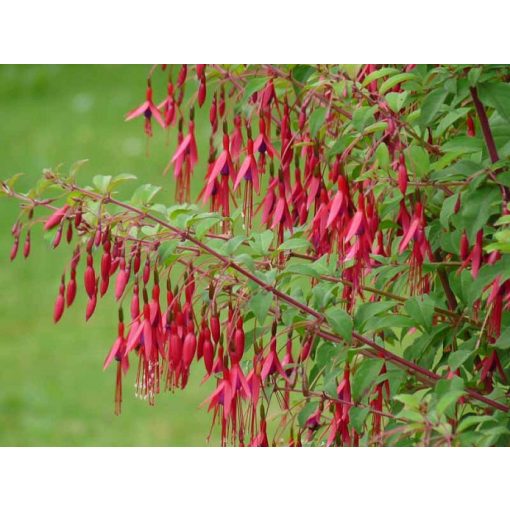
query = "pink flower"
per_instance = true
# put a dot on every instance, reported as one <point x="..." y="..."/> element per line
<point x="148" y="110"/>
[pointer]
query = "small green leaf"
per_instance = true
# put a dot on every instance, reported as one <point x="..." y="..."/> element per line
<point x="303" y="269"/>
<point x="259" y="304"/>
<point x="365" y="377"/>
<point x="395" y="80"/>
<point x="447" y="210"/>
<point x="431" y="106"/>
<point x="261" y="242"/>
<point x="119" y="179"/>
<point x="421" y="310"/>
<point x="380" y="73"/>
<point x="358" y="416"/>
<point x="102" y="182"/>
<point x="306" y="412"/>
<point x="340" y="322"/>
<point x="503" y="342"/>
<point x="367" y="310"/>
<point x="253" y="85"/>
<point x="457" y="358"/>
<point x="316" y="120"/>
<point x="294" y="244"/>
<point x="230" y="247"/>
<point x="144" y="194"/>
<point x="396" y="100"/>
<point x="496" y="95"/>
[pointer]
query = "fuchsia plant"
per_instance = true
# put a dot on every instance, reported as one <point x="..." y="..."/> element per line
<point x="338" y="264"/>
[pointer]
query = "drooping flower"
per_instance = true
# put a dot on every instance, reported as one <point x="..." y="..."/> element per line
<point x="148" y="109"/>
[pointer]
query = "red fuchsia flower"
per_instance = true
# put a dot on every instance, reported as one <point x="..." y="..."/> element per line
<point x="228" y="394"/>
<point x="260" y="439"/>
<point x="122" y="279"/>
<point x="403" y="178"/>
<point x="56" y="218"/>
<point x="341" y="202"/>
<point x="202" y="91"/>
<point x="200" y="68"/>
<point x="271" y="364"/>
<point x="470" y="126"/>
<point x="488" y="366"/>
<point x="236" y="140"/>
<point x="314" y="182"/>
<point x="60" y="302"/>
<point x="58" y="236"/>
<point x="71" y="289"/>
<point x="287" y="151"/>
<point x="263" y="145"/>
<point x="168" y="106"/>
<point x="89" y="277"/>
<point x="377" y="402"/>
<point x="185" y="160"/>
<point x="91" y="307"/>
<point x="183" y="73"/>
<point x="464" y="246"/>
<point x="313" y="423"/>
<point x="339" y="427"/>
<point x="148" y="110"/>
<point x="26" y="245"/>
<point x="16" y="232"/>
<point x="118" y="353"/>
<point x="421" y="249"/>
<point x="213" y="114"/>
<point x="249" y="172"/>
<point x="475" y="256"/>
<point x="223" y="169"/>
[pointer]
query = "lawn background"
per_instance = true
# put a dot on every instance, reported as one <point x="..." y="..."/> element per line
<point x="52" y="387"/>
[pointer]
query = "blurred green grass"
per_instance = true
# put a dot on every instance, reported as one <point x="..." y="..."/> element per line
<point x="52" y="388"/>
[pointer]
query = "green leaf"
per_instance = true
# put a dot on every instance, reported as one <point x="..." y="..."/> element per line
<point x="457" y="358"/>
<point x="253" y="85"/>
<point x="380" y="73"/>
<point x="431" y="106"/>
<point x="297" y="243"/>
<point x="447" y="210"/>
<point x="119" y="179"/>
<point x="302" y="72"/>
<point x="357" y="417"/>
<point x="382" y="155"/>
<point x="303" y="269"/>
<point x="419" y="160"/>
<point x="316" y="120"/>
<point x="477" y="207"/>
<point x="463" y="145"/>
<point x="396" y="100"/>
<point x="259" y="304"/>
<point x="340" y="322"/>
<point x="362" y="117"/>
<point x="496" y="95"/>
<point x="365" y="377"/>
<point x="102" y="182"/>
<point x="367" y="310"/>
<point x="421" y="310"/>
<point x="447" y="402"/>
<point x="395" y="80"/>
<point x="504" y="220"/>
<point x="205" y="225"/>
<point x="306" y="412"/>
<point x="503" y="342"/>
<point x="144" y="194"/>
<point x="167" y="252"/>
<point x="260" y="242"/>
<point x="230" y="247"/>
<point x="340" y="145"/>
